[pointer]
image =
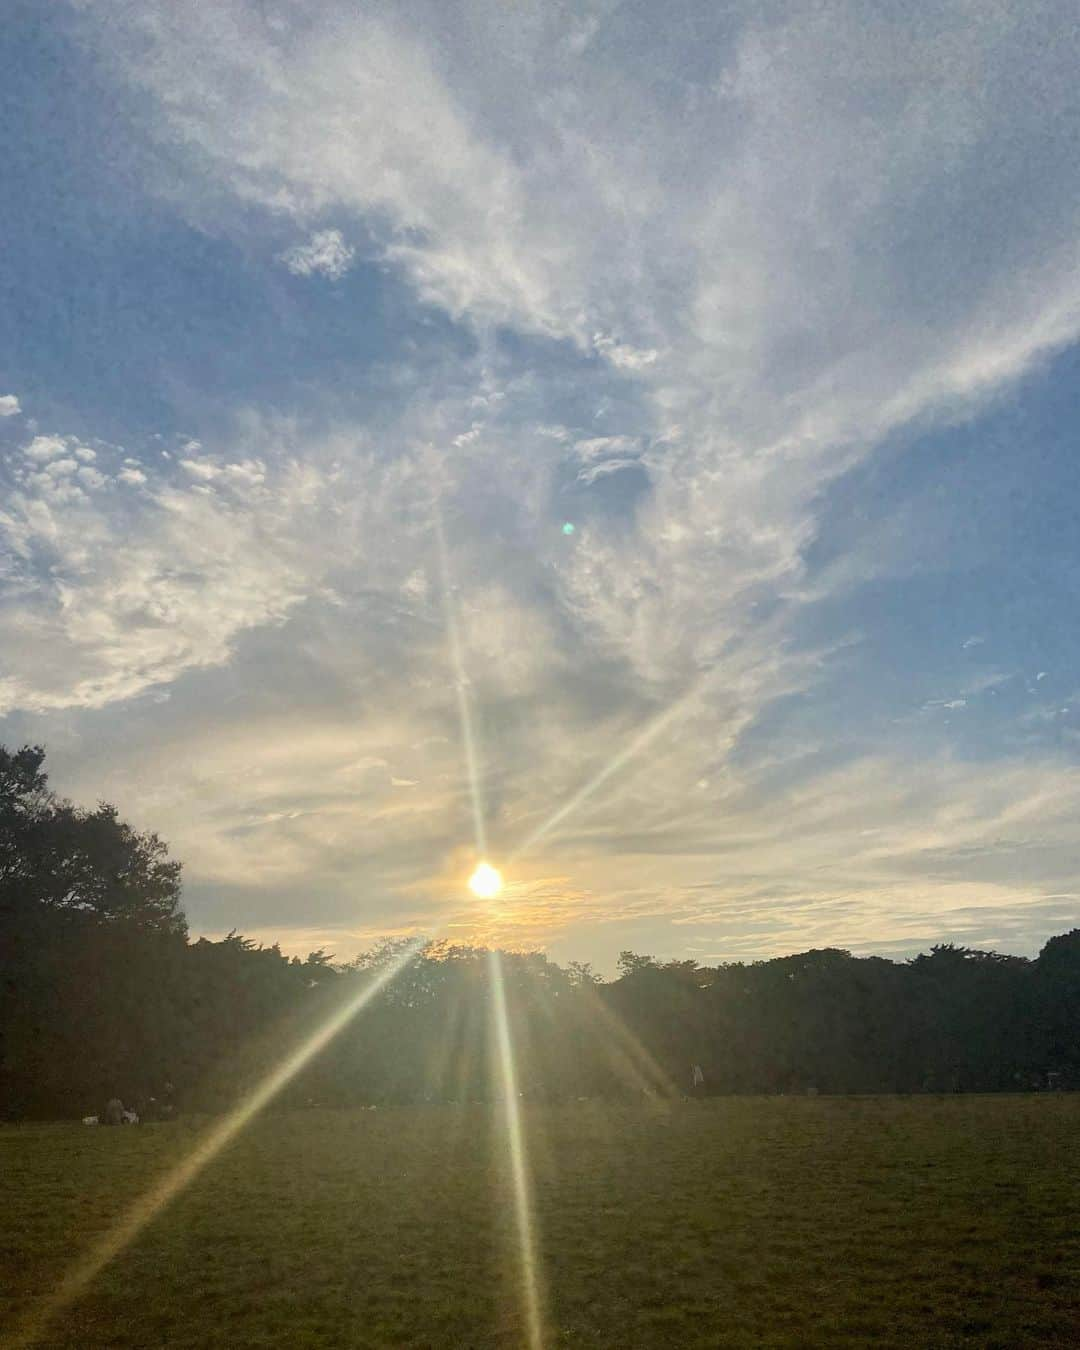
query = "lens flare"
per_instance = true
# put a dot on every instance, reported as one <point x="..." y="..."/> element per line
<point x="131" y="1224"/>
<point x="486" y="882"/>
<point x="461" y="690"/>
<point x="634" y="747"/>
<point x="524" y="1219"/>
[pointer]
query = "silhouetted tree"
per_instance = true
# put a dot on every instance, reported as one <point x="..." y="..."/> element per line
<point x="102" y="995"/>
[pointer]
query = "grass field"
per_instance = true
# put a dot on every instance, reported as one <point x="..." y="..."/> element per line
<point x="781" y="1221"/>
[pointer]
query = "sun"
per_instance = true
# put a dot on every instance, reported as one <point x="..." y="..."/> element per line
<point x="486" y="882"/>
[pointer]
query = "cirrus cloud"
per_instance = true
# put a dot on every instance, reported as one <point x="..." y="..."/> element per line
<point x="707" y="269"/>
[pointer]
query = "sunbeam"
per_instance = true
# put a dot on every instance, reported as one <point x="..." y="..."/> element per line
<point x="626" y="1052"/>
<point x="486" y="883"/>
<point x="644" y="737"/>
<point x="519" y="1167"/>
<point x="461" y="690"/>
<point x="160" y="1196"/>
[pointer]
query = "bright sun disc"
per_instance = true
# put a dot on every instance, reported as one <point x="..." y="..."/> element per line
<point x="485" y="882"/>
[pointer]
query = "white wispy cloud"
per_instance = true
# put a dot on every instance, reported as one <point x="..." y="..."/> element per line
<point x="326" y="252"/>
<point x="622" y="355"/>
<point x="780" y="251"/>
<point x="9" y="405"/>
<point x="730" y="216"/>
<point x="109" y="594"/>
<point x="775" y="226"/>
<point x="602" y="455"/>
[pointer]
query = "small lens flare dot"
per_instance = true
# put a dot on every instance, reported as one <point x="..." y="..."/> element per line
<point x="568" y="527"/>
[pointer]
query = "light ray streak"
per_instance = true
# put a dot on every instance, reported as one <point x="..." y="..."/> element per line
<point x="519" y="1166"/>
<point x="626" y="1054"/>
<point x="515" y="1138"/>
<point x="636" y="745"/>
<point x="627" y="1051"/>
<point x="461" y="688"/>
<point x="128" y="1227"/>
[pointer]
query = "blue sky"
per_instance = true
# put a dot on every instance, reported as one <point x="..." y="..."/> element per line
<point x="779" y="307"/>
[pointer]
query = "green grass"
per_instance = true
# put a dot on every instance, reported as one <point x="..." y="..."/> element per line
<point x="781" y="1221"/>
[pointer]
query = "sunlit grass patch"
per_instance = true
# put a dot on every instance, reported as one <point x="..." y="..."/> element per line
<point x="885" y="1221"/>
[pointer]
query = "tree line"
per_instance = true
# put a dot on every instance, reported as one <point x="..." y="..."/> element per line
<point x="103" y="994"/>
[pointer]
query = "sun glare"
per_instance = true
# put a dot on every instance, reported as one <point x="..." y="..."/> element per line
<point x="486" y="882"/>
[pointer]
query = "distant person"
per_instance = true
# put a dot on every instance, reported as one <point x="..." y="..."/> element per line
<point x="697" y="1081"/>
<point x="114" y="1112"/>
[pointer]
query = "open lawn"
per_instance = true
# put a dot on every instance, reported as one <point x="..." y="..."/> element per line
<point x="781" y="1221"/>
